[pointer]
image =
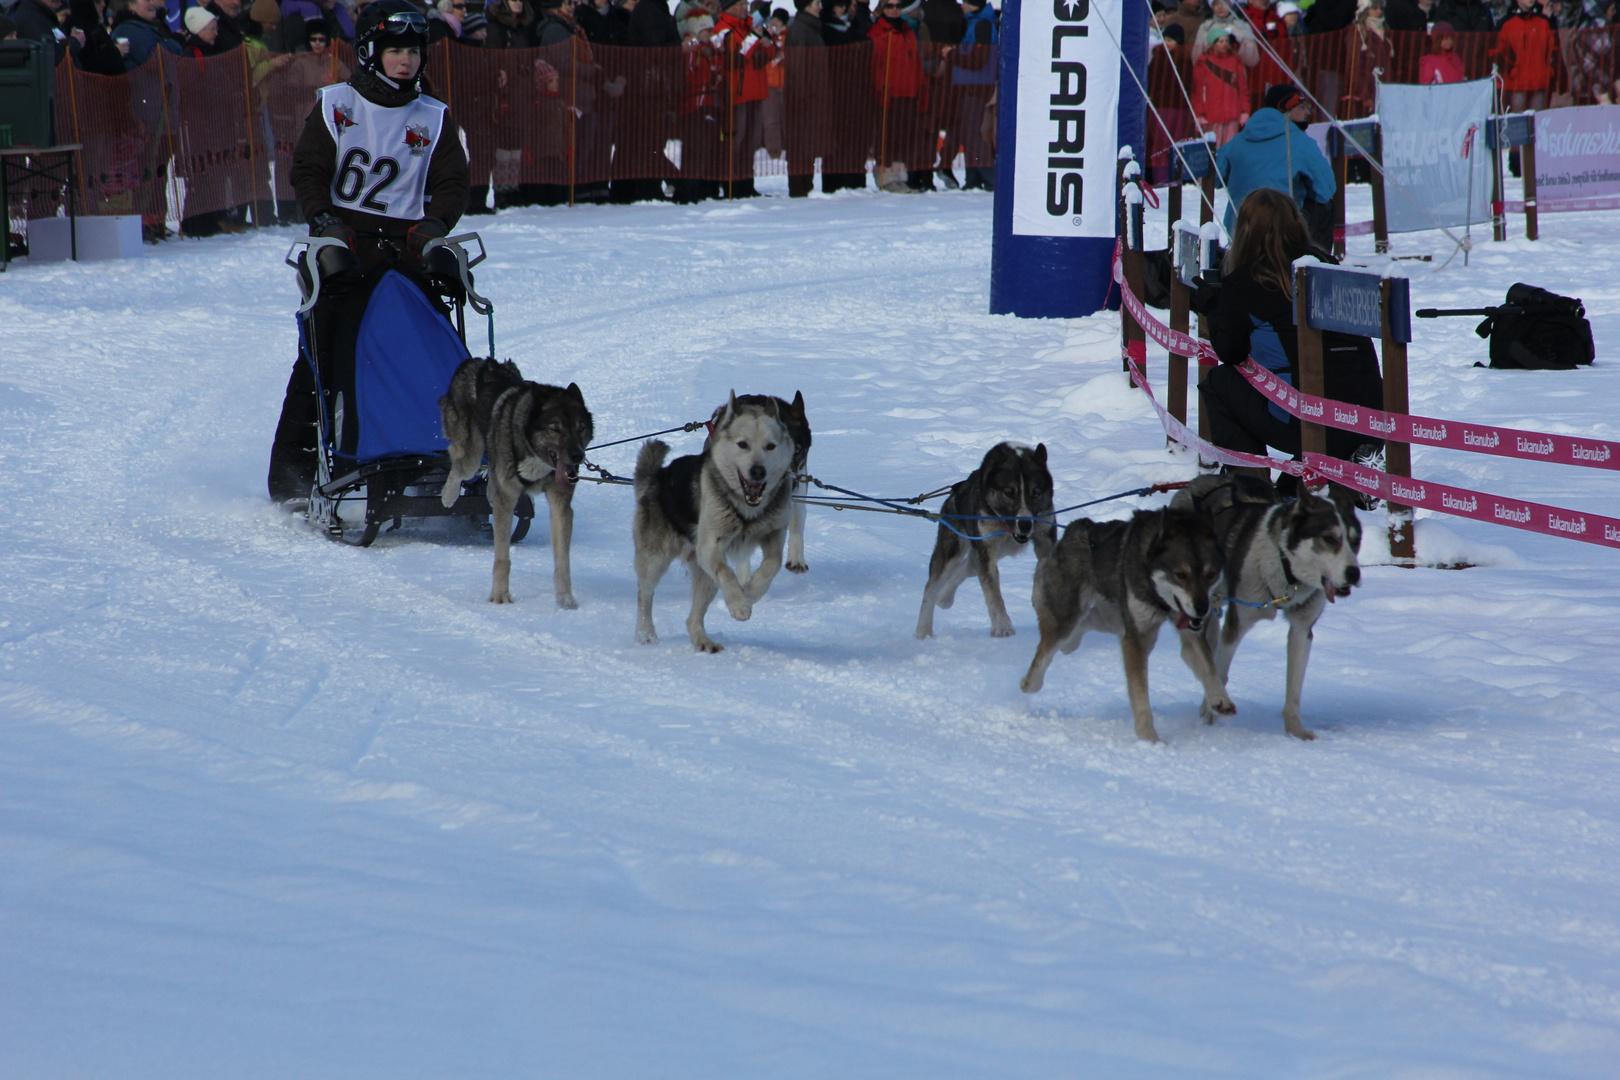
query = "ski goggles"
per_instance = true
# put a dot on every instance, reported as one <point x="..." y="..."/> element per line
<point x="403" y="22"/>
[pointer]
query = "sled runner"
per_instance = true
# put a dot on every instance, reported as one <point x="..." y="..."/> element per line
<point x="382" y="456"/>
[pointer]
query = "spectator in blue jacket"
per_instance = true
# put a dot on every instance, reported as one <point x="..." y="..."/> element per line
<point x="142" y="25"/>
<point x="1272" y="152"/>
<point x="973" y="73"/>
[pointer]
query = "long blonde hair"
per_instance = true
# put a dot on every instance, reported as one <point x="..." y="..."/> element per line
<point x="1268" y="236"/>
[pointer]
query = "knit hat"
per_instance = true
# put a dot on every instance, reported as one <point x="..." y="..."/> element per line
<point x="1441" y="29"/>
<point x="1283" y="97"/>
<point x="197" y="19"/>
<point x="1171" y="32"/>
<point x="265" y="12"/>
<point x="473" y="23"/>
<point x="1287" y="8"/>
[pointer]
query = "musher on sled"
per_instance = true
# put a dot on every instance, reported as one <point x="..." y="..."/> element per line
<point x="381" y="168"/>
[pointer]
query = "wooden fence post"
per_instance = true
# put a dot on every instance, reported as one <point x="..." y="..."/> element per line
<point x="1180" y="304"/>
<point x="1397" y="455"/>
<point x="1527" y="166"/>
<point x="1375" y="156"/>
<point x="1312" y="437"/>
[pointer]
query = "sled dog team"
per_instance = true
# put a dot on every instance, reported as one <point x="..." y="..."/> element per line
<point x="1223" y="542"/>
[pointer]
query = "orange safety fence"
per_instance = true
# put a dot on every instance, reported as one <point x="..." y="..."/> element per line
<point x="183" y="137"/>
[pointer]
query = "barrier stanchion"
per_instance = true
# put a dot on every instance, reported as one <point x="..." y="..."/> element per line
<point x="1394" y="304"/>
<point x="1131" y="331"/>
<point x="1353" y="302"/>
<point x="1512" y="131"/>
<point x="1342" y="146"/>
<point x="1184" y="267"/>
<point x="1312" y="437"/>
<point x="1199" y="158"/>
<point x="1209" y="246"/>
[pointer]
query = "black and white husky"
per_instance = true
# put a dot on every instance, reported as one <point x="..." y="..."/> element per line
<point x="1289" y="557"/>
<point x="1012" y="482"/>
<point x="714" y="509"/>
<point x="536" y="437"/>
<point x="790" y="413"/>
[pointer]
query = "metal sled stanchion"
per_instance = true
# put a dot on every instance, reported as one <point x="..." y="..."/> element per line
<point x="349" y="492"/>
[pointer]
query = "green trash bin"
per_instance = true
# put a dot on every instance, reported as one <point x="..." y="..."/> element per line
<point x="27" y="93"/>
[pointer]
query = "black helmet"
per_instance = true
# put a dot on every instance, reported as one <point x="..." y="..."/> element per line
<point x="387" y="24"/>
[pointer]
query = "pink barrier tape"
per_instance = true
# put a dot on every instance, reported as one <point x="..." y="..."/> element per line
<point x="1426" y="494"/>
<point x="1426" y="431"/>
<point x="1573" y="206"/>
<point x="1359" y="228"/>
<point x="1175" y="340"/>
<point x="1460" y="502"/>
<point x="1179" y="432"/>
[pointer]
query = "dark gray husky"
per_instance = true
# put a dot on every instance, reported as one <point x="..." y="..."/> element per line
<point x="1129" y="578"/>
<point x="1294" y="557"/>
<point x="535" y="436"/>
<point x="1011" y="482"/>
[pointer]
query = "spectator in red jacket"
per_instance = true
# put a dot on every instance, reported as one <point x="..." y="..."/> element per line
<point x="1527" y="53"/>
<point x="1221" y="89"/>
<point x="745" y="50"/>
<point x="1442" y="64"/>
<point x="901" y="91"/>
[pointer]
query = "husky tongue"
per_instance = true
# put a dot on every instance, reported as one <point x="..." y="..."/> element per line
<point x="562" y="475"/>
<point x="1332" y="593"/>
<point x="1183" y="621"/>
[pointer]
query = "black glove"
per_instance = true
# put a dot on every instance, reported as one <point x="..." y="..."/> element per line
<point x="1206" y="293"/>
<point x="427" y="229"/>
<point x="329" y="224"/>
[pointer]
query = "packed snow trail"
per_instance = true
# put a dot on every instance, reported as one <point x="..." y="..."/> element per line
<point x="273" y="806"/>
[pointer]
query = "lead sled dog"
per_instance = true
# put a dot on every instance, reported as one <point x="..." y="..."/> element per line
<point x="1290" y="557"/>
<point x="536" y="437"/>
<point x="1003" y="505"/>
<point x="791" y="413"/>
<point x="714" y="509"/>
<point x="1129" y="578"/>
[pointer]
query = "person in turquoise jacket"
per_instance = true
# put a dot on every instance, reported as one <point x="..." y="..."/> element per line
<point x="1272" y="152"/>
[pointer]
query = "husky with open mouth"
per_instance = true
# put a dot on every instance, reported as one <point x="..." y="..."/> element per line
<point x="790" y="413"/>
<point x="1293" y="557"/>
<point x="712" y="510"/>
<point x="535" y="436"/>
<point x="1129" y="578"/>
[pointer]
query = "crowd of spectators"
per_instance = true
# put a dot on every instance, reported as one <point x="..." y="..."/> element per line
<point x="1212" y="62"/>
<point x="932" y="71"/>
<point x="924" y="95"/>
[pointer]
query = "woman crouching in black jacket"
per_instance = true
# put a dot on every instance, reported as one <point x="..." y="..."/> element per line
<point x="1254" y="316"/>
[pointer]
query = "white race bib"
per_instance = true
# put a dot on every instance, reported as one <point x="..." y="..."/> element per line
<point x="382" y="153"/>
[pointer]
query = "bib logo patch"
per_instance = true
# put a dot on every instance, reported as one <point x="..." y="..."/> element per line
<point x="341" y="119"/>
<point x="417" y="140"/>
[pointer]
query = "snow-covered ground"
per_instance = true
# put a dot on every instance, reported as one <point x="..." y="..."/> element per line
<point x="275" y="807"/>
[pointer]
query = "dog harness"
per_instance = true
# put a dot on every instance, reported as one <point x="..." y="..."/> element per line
<point x="382" y="153"/>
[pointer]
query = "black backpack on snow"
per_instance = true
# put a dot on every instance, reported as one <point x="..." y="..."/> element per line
<point x="1538" y="331"/>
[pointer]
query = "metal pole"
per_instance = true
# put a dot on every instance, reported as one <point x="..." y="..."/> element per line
<point x="1527" y="162"/>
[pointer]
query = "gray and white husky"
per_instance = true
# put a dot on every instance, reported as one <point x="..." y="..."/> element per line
<point x="1012" y="482"/>
<point x="712" y="510"/>
<point x="1129" y="578"/>
<point x="536" y="437"/>
<point x="1290" y="557"/>
<point x="791" y="413"/>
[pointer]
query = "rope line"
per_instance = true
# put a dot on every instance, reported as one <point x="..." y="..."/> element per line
<point x="692" y="425"/>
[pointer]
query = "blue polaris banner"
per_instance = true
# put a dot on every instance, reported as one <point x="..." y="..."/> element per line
<point x="1067" y="104"/>
<point x="1348" y="301"/>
